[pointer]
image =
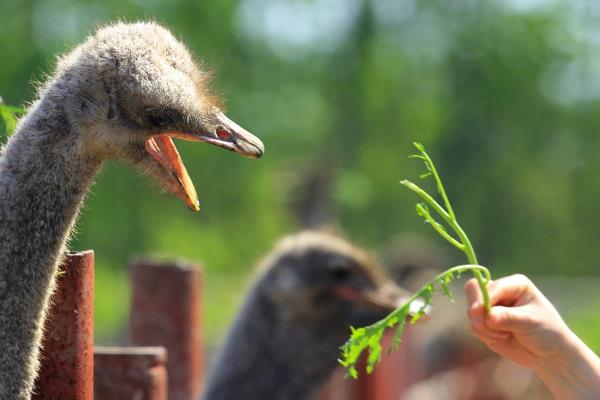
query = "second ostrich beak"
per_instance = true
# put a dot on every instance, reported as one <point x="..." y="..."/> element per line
<point x="387" y="297"/>
<point x="228" y="135"/>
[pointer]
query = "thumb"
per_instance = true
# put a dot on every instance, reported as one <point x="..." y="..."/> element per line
<point x="514" y="319"/>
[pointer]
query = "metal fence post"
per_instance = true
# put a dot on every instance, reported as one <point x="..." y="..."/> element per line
<point x="165" y="311"/>
<point x="67" y="357"/>
<point x="390" y="379"/>
<point x="125" y="373"/>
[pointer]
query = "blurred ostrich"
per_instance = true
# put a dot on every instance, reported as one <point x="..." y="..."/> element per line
<point x="285" y="341"/>
<point x="122" y="94"/>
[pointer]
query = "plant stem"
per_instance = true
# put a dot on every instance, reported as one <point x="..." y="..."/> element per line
<point x="399" y="312"/>
<point x="438" y="227"/>
<point x="428" y="199"/>
<point x="470" y="253"/>
<point x="448" y="215"/>
<point x="369" y="337"/>
<point x="475" y="268"/>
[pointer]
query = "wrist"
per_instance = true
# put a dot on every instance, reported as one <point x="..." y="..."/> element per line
<point x="565" y="348"/>
<point x="573" y="371"/>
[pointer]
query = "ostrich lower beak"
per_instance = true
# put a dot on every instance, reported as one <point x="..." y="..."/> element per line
<point x="163" y="150"/>
<point x="228" y="135"/>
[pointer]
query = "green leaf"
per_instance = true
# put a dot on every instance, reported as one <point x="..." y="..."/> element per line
<point x="8" y="118"/>
<point x="399" y="331"/>
<point x="445" y="285"/>
<point x="419" y="146"/>
<point x="426" y="297"/>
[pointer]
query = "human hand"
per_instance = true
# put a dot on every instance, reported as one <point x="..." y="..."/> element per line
<point x="522" y="324"/>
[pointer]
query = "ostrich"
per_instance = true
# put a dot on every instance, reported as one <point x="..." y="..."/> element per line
<point x="122" y="94"/>
<point x="285" y="341"/>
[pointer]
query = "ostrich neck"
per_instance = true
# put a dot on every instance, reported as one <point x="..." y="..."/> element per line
<point x="43" y="179"/>
<point x="264" y="358"/>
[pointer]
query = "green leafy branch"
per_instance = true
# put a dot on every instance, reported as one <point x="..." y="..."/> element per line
<point x="447" y="213"/>
<point x="8" y="118"/>
<point x="369" y="337"/>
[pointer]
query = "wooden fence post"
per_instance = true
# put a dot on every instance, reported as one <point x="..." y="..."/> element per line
<point x="165" y="311"/>
<point x="125" y="373"/>
<point x="68" y="345"/>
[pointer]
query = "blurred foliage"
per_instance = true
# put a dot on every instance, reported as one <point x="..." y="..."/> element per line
<point x="505" y="94"/>
<point x="8" y="118"/>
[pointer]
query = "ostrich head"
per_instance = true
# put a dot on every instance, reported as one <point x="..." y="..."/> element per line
<point x="129" y="89"/>
<point x="285" y="341"/>
<point x="325" y="284"/>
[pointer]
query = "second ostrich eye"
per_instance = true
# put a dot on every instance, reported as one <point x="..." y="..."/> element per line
<point x="339" y="273"/>
<point x="160" y="118"/>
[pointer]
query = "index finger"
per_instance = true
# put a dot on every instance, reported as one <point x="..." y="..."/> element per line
<point x="509" y="290"/>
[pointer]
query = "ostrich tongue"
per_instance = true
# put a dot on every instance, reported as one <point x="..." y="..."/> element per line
<point x="163" y="150"/>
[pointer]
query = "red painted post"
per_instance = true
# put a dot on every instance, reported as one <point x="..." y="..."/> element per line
<point x="68" y="345"/>
<point x="337" y="387"/>
<point x="393" y="374"/>
<point x="125" y="373"/>
<point x="389" y="380"/>
<point x="165" y="311"/>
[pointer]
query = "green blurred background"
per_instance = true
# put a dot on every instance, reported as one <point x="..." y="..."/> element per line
<point x="505" y="95"/>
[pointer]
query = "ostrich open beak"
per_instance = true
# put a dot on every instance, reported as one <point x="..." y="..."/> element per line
<point x="387" y="297"/>
<point x="228" y="135"/>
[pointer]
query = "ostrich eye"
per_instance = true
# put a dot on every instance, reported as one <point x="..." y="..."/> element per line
<point x="339" y="272"/>
<point x="160" y="118"/>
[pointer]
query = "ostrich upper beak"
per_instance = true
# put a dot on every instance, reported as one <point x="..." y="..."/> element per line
<point x="228" y="135"/>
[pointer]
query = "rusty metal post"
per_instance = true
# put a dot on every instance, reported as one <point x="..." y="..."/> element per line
<point x="394" y="374"/>
<point x="337" y="387"/>
<point x="165" y="311"/>
<point x="389" y="381"/>
<point x="68" y="344"/>
<point x="125" y="373"/>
